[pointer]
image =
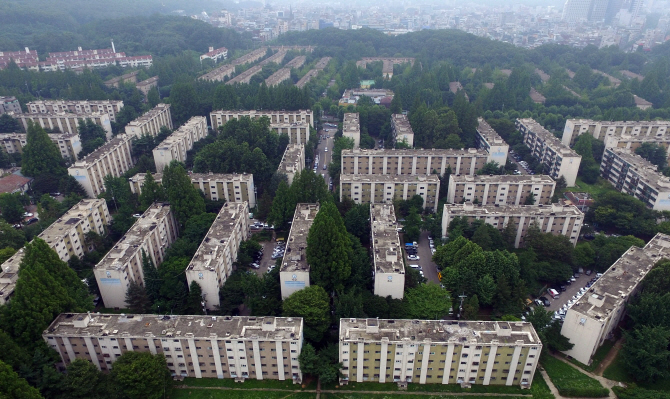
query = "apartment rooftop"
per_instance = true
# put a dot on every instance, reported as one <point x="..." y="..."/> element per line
<point x="614" y="287"/>
<point x="509" y="179"/>
<point x="78" y="213"/>
<point x="198" y="327"/>
<point x="618" y="123"/>
<point x="323" y="62"/>
<point x="351" y="178"/>
<point x="253" y="112"/>
<point x="547" y="137"/>
<point x="492" y="210"/>
<point x="92" y="102"/>
<point x="290" y="161"/>
<point x="351" y="123"/>
<point x="645" y="169"/>
<point x="100" y="152"/>
<point x="132" y="241"/>
<point x="414" y="152"/>
<point x="295" y="258"/>
<point x="488" y="133"/>
<point x="147" y="82"/>
<point x="218" y="235"/>
<point x="200" y="177"/>
<point x="438" y="331"/>
<point x="402" y="124"/>
<point x="386" y="243"/>
<point x="149" y="115"/>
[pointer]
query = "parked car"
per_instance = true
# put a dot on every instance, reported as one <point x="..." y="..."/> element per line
<point x="27" y="215"/>
<point x="545" y="301"/>
<point x="413" y="257"/>
<point x="31" y="221"/>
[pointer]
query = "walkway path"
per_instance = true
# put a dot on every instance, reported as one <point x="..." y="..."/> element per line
<point x="611" y="355"/>
<point x="604" y="381"/>
<point x="552" y="387"/>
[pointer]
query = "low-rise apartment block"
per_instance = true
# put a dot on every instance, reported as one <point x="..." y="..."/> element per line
<point x="69" y="145"/>
<point x="216" y="186"/>
<point x="220" y="53"/>
<point x="600" y="130"/>
<point x="276" y="78"/>
<point x="294" y="270"/>
<point x="65" y="122"/>
<point x="558" y="159"/>
<point x="237" y="347"/>
<point x="633" y="175"/>
<point x="438" y="352"/>
<point x="109" y="107"/>
<point x="130" y="77"/>
<point x="384" y="189"/>
<point x="219" y="74"/>
<point x="221" y="117"/>
<point x="151" y="122"/>
<point x="595" y="316"/>
<point x="388" y="267"/>
<point x="402" y="130"/>
<point x="632" y="143"/>
<point x="378" y="96"/>
<point x="146" y="85"/>
<point x="152" y="233"/>
<point x="556" y="219"/>
<point x="176" y="145"/>
<point x="66" y="236"/>
<point x="297" y="62"/>
<point x="9" y="104"/>
<point x="490" y="141"/>
<point x="213" y="261"/>
<point x="500" y="189"/>
<point x="298" y="133"/>
<point x="412" y="161"/>
<point x="114" y="158"/>
<point x="351" y="128"/>
<point x="292" y="162"/>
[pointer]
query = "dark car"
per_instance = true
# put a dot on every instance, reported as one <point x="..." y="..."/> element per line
<point x="588" y="272"/>
<point x="545" y="301"/>
<point x="31" y="221"/>
<point x="563" y="288"/>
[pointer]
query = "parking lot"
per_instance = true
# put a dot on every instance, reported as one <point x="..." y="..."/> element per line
<point x="425" y="259"/>
<point x="570" y="291"/>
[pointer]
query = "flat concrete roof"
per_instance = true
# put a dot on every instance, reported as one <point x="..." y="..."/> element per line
<point x="295" y="257"/>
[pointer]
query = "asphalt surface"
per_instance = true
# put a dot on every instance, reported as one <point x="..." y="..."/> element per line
<point x="425" y="259"/>
<point x="325" y="157"/>
<point x="571" y="290"/>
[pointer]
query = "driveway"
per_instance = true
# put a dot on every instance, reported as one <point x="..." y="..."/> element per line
<point x="426" y="259"/>
<point x="571" y="290"/>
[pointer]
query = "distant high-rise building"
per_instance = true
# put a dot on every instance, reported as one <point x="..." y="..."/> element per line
<point x="576" y="10"/>
<point x="598" y="10"/>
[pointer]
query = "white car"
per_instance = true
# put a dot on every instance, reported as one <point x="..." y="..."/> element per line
<point x="413" y="257"/>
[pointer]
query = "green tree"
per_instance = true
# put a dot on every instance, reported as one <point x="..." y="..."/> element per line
<point x="137" y="299"/>
<point x="153" y="97"/>
<point x="530" y="199"/>
<point x="491" y="168"/>
<point x="654" y="153"/>
<point x="185" y="201"/>
<point x="313" y="305"/>
<point x="328" y="249"/>
<point x="14" y="387"/>
<point x="308" y="359"/>
<point x="645" y="353"/>
<point x="194" y="301"/>
<point x="141" y="375"/>
<point x="91" y="135"/>
<point x="11" y="207"/>
<point x="9" y="124"/>
<point x="357" y="222"/>
<point x="471" y="308"/>
<point x="151" y="192"/>
<point x="248" y="248"/>
<point x="412" y="225"/>
<point x="152" y="281"/>
<point x="84" y="381"/>
<point x="231" y="294"/>
<point x="427" y="301"/>
<point x="40" y="155"/>
<point x="184" y="101"/>
<point x="583" y="255"/>
<point x="283" y="206"/>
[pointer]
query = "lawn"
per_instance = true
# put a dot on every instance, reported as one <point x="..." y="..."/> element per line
<point x="571" y="382"/>
<point x="597" y="358"/>
<point x="596" y="189"/>
<point x="617" y="371"/>
<point x="348" y="395"/>
<point x="230" y="394"/>
<point x="248" y="384"/>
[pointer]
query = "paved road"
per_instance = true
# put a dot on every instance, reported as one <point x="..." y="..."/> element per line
<point x="425" y="259"/>
<point x="571" y="290"/>
<point x="325" y="157"/>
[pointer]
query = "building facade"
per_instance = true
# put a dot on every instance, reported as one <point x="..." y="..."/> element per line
<point x="213" y="261"/>
<point x="490" y="141"/>
<point x="176" y="145"/>
<point x="66" y="122"/>
<point x="388" y="267"/>
<point x="594" y="316"/>
<point x="69" y="145"/>
<point x="278" y="77"/>
<point x="500" y="189"/>
<point x="351" y="128"/>
<point x="238" y="347"/>
<point x="221" y="117"/>
<point x="556" y="219"/>
<point x="152" y="234"/>
<point x="558" y="159"/>
<point x="9" y="103"/>
<point x="384" y="189"/>
<point x="294" y="270"/>
<point x="220" y="53"/>
<point x="402" y="130"/>
<point x="66" y="236"/>
<point x="298" y="133"/>
<point x="292" y="162"/>
<point x="114" y="158"/>
<point x="600" y="130"/>
<point x="109" y="107"/>
<point x="151" y="122"/>
<point x="438" y="352"/>
<point x="631" y="174"/>
<point x="412" y="162"/>
<point x="146" y="85"/>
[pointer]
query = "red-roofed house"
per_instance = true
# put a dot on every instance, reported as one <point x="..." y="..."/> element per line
<point x="15" y="184"/>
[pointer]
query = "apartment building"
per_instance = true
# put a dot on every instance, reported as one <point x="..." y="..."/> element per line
<point x="558" y="159"/>
<point x="384" y="189"/>
<point x="298" y="133"/>
<point x="633" y="175"/>
<point x="292" y="162"/>
<point x="152" y="233"/>
<point x="114" y="158"/>
<point x="9" y="104"/>
<point x="296" y="62"/>
<point x="151" y="122"/>
<point x="412" y="161"/>
<point x="438" y="352"/>
<point x="388" y="266"/>
<point x="402" y="130"/>
<point x="130" y="77"/>
<point x="239" y="347"/>
<point x="490" y="141"/>
<point x="109" y="107"/>
<point x="230" y="187"/>
<point x="66" y="236"/>
<point x="69" y="145"/>
<point x="323" y="63"/>
<point x="213" y="261"/>
<point x="245" y="76"/>
<point x="221" y="117"/>
<point x="294" y="270"/>
<point x="219" y="74"/>
<point x="220" y="53"/>
<point x="65" y="122"/>
<point x="595" y="316"/>
<point x="600" y="130"/>
<point x="632" y="143"/>
<point x="146" y="85"/>
<point x="378" y="96"/>
<point x="500" y="189"/>
<point x="351" y="128"/>
<point x="176" y="145"/>
<point x="307" y="77"/>
<point x="276" y="78"/>
<point x="557" y="219"/>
